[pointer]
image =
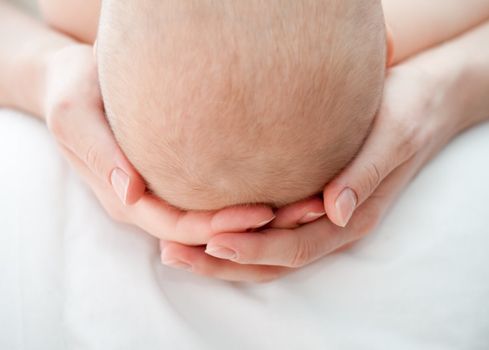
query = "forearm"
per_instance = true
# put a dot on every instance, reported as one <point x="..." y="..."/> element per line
<point x="419" y="24"/>
<point x="25" y="45"/>
<point x="463" y="66"/>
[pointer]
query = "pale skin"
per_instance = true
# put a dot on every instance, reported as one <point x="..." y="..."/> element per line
<point x="55" y="79"/>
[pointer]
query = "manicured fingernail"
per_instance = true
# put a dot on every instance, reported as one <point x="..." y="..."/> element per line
<point x="177" y="264"/>
<point x="310" y="217"/>
<point x="222" y="253"/>
<point x="345" y="205"/>
<point x="120" y="183"/>
<point x="263" y="223"/>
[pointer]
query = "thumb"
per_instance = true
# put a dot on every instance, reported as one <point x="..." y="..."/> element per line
<point x="382" y="152"/>
<point x="89" y="137"/>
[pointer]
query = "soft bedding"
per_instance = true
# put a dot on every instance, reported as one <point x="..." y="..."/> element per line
<point x="72" y="279"/>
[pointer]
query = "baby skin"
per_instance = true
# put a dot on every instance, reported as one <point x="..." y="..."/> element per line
<point x="218" y="104"/>
<point x="238" y="102"/>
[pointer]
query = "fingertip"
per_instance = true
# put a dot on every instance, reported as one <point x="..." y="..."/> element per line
<point x="136" y="189"/>
<point x="240" y="248"/>
<point x="177" y="256"/>
<point x="136" y="186"/>
<point x="120" y="183"/>
<point x="241" y="218"/>
<point x="311" y="217"/>
<point x="129" y="189"/>
<point x="302" y="212"/>
<point x="340" y="203"/>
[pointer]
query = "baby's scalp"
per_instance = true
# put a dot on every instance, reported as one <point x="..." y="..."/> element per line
<point x="229" y="102"/>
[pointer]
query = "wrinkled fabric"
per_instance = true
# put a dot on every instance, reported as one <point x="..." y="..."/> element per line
<point x="70" y="278"/>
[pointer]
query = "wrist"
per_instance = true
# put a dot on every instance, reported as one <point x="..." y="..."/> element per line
<point x="466" y="81"/>
<point x="26" y="79"/>
<point x="25" y="44"/>
<point x="458" y="83"/>
<point x="35" y="69"/>
<point x="461" y="71"/>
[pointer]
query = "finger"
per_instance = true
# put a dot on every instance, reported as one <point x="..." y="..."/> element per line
<point x="86" y="133"/>
<point x="299" y="213"/>
<point x="386" y="148"/>
<point x="301" y="246"/>
<point x="169" y="223"/>
<point x="280" y="247"/>
<point x="195" y="260"/>
<point x="104" y="193"/>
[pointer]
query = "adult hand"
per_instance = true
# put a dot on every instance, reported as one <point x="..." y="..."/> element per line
<point x="74" y="114"/>
<point x="416" y="119"/>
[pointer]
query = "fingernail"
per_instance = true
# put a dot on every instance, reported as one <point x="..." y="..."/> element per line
<point x="120" y="183"/>
<point x="345" y="205"/>
<point x="263" y="223"/>
<point x="310" y="217"/>
<point x="177" y="264"/>
<point x="222" y="253"/>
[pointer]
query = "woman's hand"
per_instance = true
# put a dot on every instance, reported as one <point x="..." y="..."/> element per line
<point x="74" y="114"/>
<point x="427" y="101"/>
<point x="403" y="138"/>
<point x="414" y="122"/>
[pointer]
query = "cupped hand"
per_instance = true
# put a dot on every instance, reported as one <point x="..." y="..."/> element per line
<point x="75" y="116"/>
<point x="413" y="123"/>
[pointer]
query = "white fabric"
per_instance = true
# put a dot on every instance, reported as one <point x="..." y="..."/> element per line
<point x="72" y="279"/>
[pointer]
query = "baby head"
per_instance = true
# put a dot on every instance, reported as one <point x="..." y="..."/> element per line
<point x="218" y="103"/>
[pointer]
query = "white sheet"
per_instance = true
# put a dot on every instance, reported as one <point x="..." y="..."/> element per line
<point x="72" y="279"/>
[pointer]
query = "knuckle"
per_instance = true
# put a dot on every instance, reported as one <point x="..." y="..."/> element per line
<point x="92" y="156"/>
<point x="373" y="177"/>
<point x="93" y="159"/>
<point x="302" y="254"/>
